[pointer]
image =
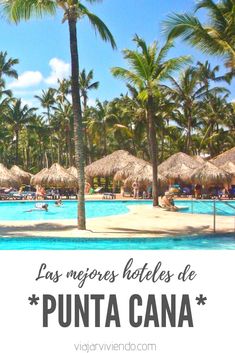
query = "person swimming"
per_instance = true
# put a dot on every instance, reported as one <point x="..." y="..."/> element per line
<point x="39" y="207"/>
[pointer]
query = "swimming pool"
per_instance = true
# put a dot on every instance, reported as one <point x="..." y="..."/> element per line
<point x="192" y="242"/>
<point x="223" y="208"/>
<point x="16" y="210"/>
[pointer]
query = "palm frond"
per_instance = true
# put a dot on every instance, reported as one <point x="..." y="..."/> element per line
<point x="171" y="66"/>
<point x="16" y="10"/>
<point x="138" y="62"/>
<point x="129" y="76"/>
<point x="216" y="14"/>
<point x="192" y="31"/>
<point x="164" y="50"/>
<point x="99" y="26"/>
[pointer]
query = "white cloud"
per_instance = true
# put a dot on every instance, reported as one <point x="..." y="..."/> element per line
<point x="27" y="79"/>
<point x="59" y="70"/>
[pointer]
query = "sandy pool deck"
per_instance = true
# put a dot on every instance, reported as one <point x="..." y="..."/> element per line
<point x="141" y="221"/>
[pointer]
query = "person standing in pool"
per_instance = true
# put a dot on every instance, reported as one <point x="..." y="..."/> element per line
<point x="58" y="203"/>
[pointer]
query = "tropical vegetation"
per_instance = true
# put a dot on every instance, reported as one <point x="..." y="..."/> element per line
<point x="170" y="104"/>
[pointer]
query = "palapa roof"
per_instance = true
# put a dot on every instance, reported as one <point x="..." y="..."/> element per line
<point x="199" y="159"/>
<point x="73" y="171"/>
<point x="229" y="167"/>
<point x="179" y="171"/>
<point x="210" y="174"/>
<point x="144" y="176"/>
<point x="24" y="177"/>
<point x="36" y="179"/>
<point x="7" y="179"/>
<point x="139" y="170"/>
<point x="221" y="159"/>
<point x="111" y="164"/>
<point x="177" y="160"/>
<point x="55" y="176"/>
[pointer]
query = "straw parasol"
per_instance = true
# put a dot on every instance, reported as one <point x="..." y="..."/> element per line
<point x="109" y="165"/>
<point x="55" y="176"/>
<point x="24" y="177"/>
<point x="229" y="167"/>
<point x="73" y="171"/>
<point x="199" y="159"/>
<point x="139" y="170"/>
<point x="36" y="179"/>
<point x="221" y="159"/>
<point x="7" y="179"/>
<point x="181" y="172"/>
<point x="177" y="160"/>
<point x="210" y="174"/>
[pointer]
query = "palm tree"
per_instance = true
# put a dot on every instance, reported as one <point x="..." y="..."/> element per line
<point x="214" y="113"/>
<point x="62" y="122"/>
<point x="215" y="37"/>
<point x="86" y="84"/>
<point x="18" y="116"/>
<point x="63" y="90"/>
<point x="99" y="123"/>
<point x="39" y="129"/>
<point x="6" y="66"/>
<point x="148" y="67"/>
<point x="73" y="10"/>
<point x="47" y="100"/>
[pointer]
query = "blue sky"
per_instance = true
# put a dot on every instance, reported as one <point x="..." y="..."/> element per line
<point x="42" y="45"/>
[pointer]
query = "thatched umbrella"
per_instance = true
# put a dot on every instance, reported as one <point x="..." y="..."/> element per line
<point x="36" y="179"/>
<point x="199" y="159"/>
<point x="109" y="165"/>
<point x="55" y="176"/>
<point x="24" y="177"/>
<point x="210" y="174"/>
<point x="177" y="160"/>
<point x="221" y="159"/>
<point x="73" y="171"/>
<point x="139" y="170"/>
<point x="179" y="171"/>
<point x="229" y="167"/>
<point x="7" y="179"/>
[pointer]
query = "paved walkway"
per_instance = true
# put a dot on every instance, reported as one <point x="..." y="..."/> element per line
<point x="141" y="221"/>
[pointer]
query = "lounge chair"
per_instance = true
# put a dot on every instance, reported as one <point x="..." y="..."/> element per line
<point x="98" y="190"/>
<point x="109" y="195"/>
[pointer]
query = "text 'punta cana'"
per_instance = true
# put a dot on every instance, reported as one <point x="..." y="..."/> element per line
<point x="98" y="310"/>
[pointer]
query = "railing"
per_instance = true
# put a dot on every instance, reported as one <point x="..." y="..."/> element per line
<point x="215" y="210"/>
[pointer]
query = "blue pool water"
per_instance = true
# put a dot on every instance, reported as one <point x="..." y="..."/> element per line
<point x="192" y="242"/>
<point x="15" y="211"/>
<point x="18" y="210"/>
<point x="223" y="208"/>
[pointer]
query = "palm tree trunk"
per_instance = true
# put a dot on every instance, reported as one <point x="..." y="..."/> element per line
<point x="153" y="149"/>
<point x="17" y="147"/>
<point x="49" y="123"/>
<point x="78" y="128"/>
<point x="189" y="128"/>
<point x="105" y="140"/>
<point x="86" y="149"/>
